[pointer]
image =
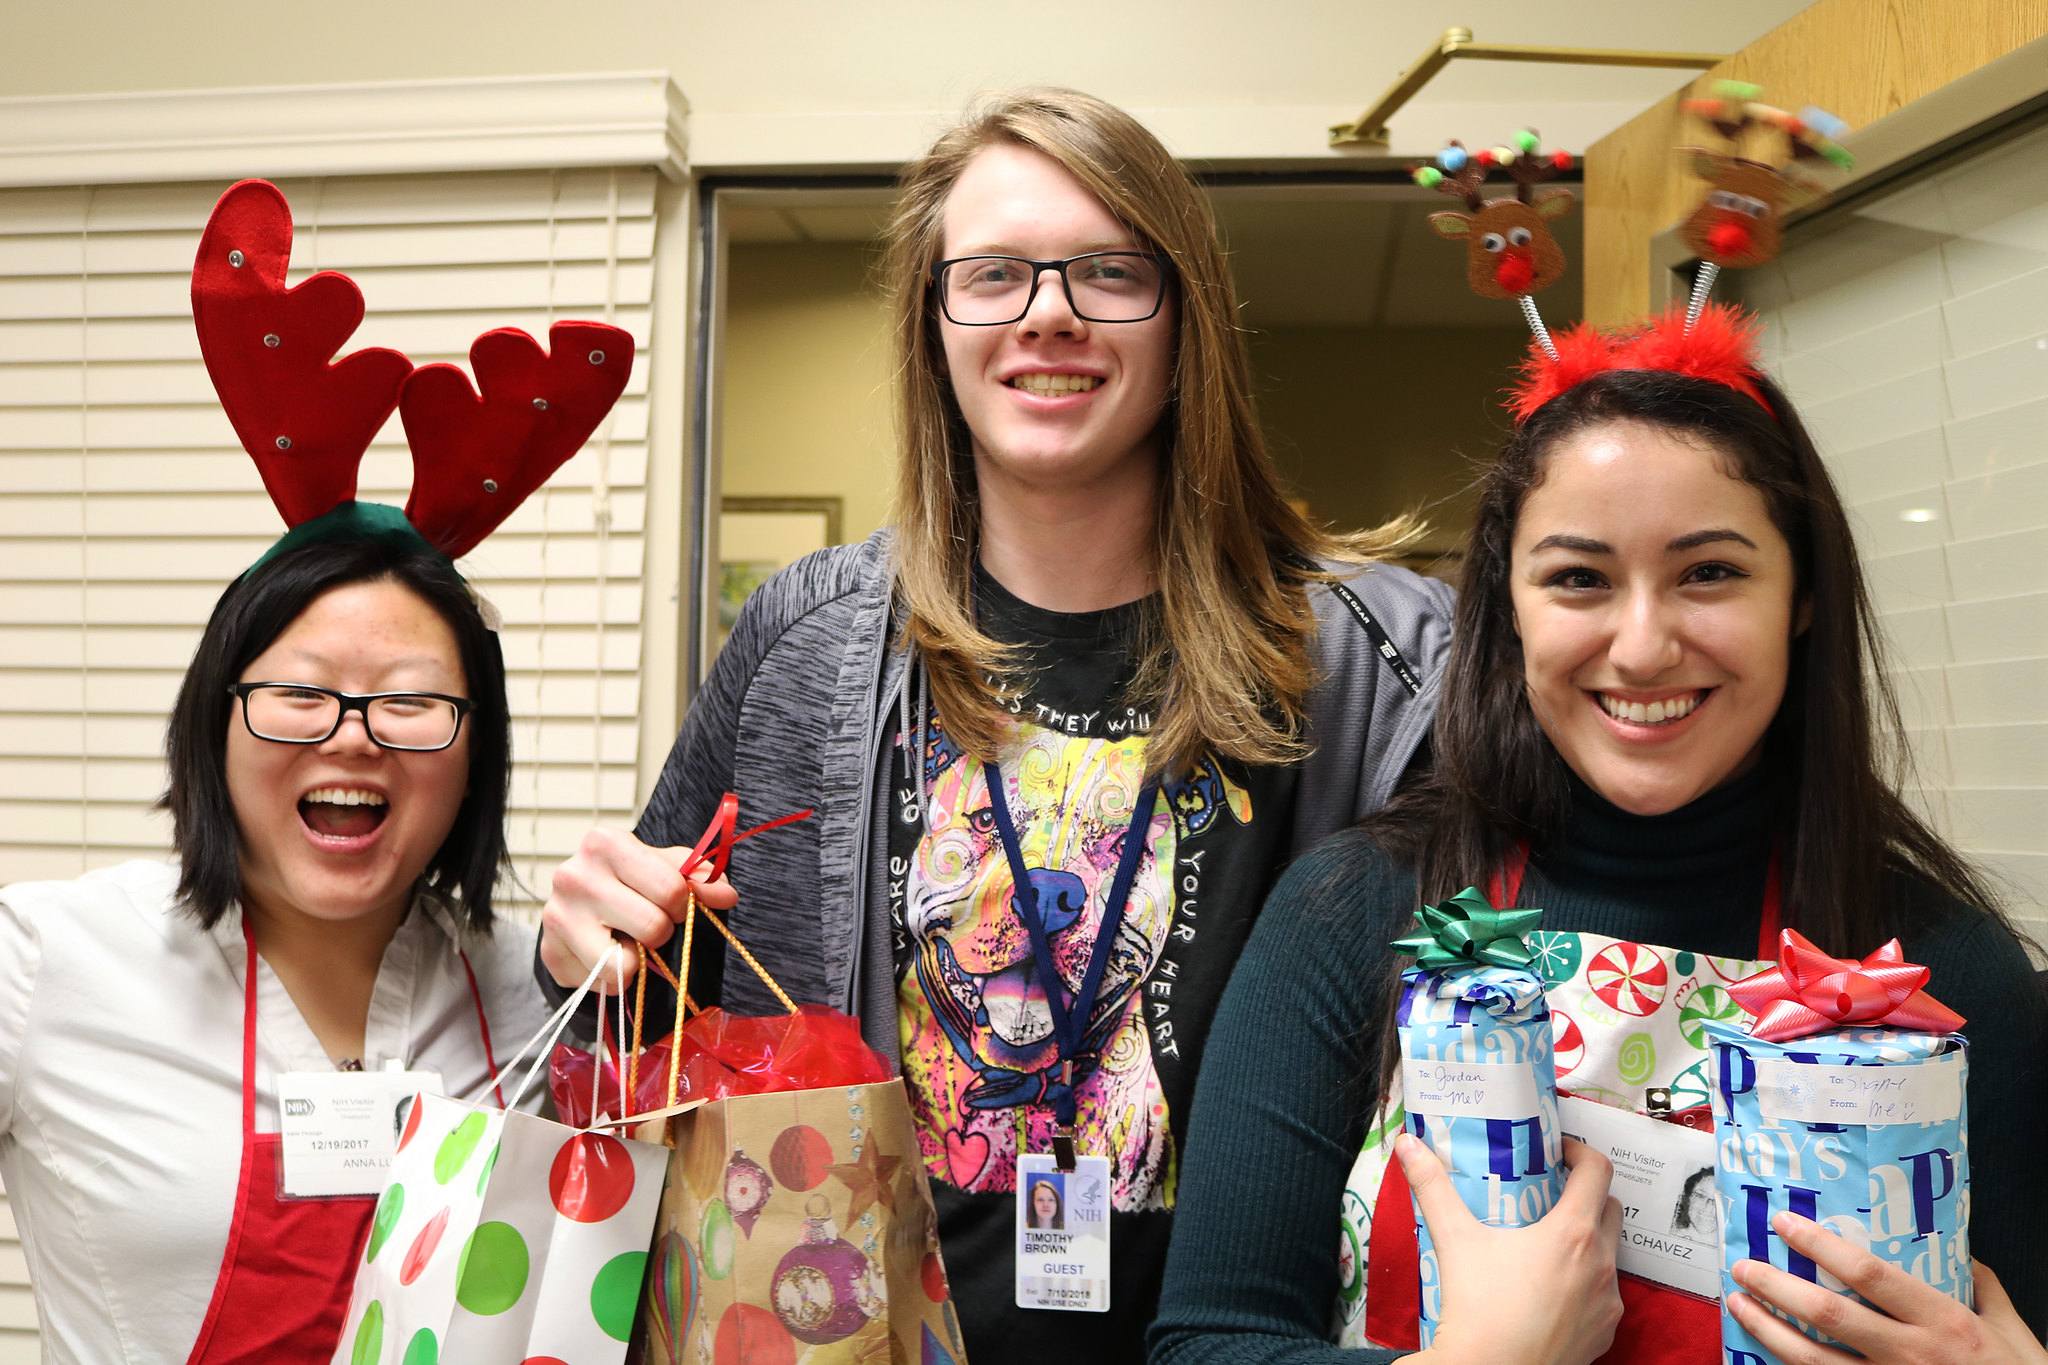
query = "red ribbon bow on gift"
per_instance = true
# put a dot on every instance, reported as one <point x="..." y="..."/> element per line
<point x="1808" y="991"/>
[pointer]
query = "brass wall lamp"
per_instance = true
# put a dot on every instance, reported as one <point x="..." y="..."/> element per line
<point x="1371" y="126"/>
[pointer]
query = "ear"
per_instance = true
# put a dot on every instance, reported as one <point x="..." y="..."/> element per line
<point x="1556" y="204"/>
<point x="1453" y="225"/>
<point x="1802" y="614"/>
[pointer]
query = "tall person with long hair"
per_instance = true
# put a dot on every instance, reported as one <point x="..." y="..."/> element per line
<point x="1062" y="722"/>
<point x="1663" y="724"/>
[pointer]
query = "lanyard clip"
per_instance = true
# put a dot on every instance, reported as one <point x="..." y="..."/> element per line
<point x="1063" y="1148"/>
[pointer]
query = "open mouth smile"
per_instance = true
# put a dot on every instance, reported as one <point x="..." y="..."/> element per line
<point x="342" y="818"/>
<point x="1651" y="715"/>
<point x="1053" y="385"/>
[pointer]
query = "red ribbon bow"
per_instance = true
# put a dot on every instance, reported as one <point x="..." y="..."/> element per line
<point x="714" y="845"/>
<point x="1808" y="991"/>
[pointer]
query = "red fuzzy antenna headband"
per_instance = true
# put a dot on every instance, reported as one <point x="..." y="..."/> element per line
<point x="306" y="418"/>
<point x="1511" y="253"/>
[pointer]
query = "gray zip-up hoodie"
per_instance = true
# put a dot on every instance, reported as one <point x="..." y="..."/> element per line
<point x="802" y="697"/>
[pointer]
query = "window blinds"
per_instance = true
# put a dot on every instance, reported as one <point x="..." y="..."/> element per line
<point x="126" y="505"/>
<point x="1913" y="333"/>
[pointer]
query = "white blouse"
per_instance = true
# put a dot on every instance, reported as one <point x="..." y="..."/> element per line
<point x="120" y="1086"/>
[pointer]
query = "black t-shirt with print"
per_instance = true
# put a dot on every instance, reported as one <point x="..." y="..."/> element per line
<point x="979" y="1059"/>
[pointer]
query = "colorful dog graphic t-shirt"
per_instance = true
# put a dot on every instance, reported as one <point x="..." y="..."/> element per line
<point x="979" y="1054"/>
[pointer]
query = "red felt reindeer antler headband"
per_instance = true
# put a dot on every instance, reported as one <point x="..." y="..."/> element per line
<point x="306" y="418"/>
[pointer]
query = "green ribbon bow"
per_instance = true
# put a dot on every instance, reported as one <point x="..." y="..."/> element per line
<point x="1466" y="931"/>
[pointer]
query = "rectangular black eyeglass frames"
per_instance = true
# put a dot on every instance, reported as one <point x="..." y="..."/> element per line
<point x="300" y="713"/>
<point x="1102" y="286"/>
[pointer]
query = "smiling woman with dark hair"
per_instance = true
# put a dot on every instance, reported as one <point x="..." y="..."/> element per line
<point x="338" y="755"/>
<point x="1661" y="724"/>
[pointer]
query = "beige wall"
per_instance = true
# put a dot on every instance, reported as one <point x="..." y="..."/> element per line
<point x="806" y="380"/>
<point x="787" y="82"/>
<point x="1367" y="424"/>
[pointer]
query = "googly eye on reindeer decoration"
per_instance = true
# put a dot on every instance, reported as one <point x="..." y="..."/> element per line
<point x="1741" y="221"/>
<point x="1510" y="251"/>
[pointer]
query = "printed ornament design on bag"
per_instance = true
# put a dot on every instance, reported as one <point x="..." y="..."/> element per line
<point x="307" y="419"/>
<point x="1843" y="1101"/>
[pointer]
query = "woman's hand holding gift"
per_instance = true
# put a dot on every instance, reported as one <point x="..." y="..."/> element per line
<point x="1543" y="1294"/>
<point x="613" y="882"/>
<point x="1919" y="1325"/>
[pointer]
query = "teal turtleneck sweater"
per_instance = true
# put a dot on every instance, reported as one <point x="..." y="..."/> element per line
<point x="1278" y="1116"/>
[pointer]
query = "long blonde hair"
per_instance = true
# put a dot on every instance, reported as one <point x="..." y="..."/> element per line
<point x="1224" y="661"/>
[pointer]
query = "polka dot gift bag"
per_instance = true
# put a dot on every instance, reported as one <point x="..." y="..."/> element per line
<point x="501" y="1236"/>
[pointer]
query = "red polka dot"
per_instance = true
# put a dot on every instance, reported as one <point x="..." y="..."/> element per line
<point x="422" y="1249"/>
<point x="543" y="1360"/>
<point x="592" y="1177"/>
<point x="412" y="1122"/>
<point x="752" y="1336"/>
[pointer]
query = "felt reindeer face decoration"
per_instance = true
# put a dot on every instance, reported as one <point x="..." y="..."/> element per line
<point x="1509" y="248"/>
<point x="1742" y="219"/>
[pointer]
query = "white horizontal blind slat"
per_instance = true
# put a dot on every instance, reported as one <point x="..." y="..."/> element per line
<point x="126" y="504"/>
<point x="1914" y="336"/>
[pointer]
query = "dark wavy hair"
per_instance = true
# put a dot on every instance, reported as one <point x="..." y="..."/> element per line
<point x="1496" y="779"/>
<point x="1852" y="851"/>
<point x="256" y="609"/>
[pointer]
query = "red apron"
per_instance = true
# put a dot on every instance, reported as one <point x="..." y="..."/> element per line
<point x="1659" y="1326"/>
<point x="285" y="1277"/>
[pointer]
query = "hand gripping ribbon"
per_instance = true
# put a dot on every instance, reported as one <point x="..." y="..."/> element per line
<point x="1808" y="991"/>
<point x="1466" y="931"/>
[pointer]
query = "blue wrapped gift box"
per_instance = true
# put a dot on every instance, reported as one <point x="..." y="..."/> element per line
<point x="1861" y="1129"/>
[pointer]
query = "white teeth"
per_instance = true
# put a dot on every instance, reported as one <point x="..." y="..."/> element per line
<point x="343" y="796"/>
<point x="1047" y="384"/>
<point x="1650" y="713"/>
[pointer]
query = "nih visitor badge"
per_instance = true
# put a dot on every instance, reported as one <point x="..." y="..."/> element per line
<point x="1063" y="1233"/>
<point x="1843" y="1101"/>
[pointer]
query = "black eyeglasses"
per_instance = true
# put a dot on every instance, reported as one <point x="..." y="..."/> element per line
<point x="300" y="713"/>
<point x="1102" y="286"/>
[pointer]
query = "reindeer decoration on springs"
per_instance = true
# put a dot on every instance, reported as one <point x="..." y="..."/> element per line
<point x="1510" y="252"/>
<point x="1741" y="222"/>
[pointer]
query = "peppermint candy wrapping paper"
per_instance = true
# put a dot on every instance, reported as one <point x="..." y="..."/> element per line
<point x="1505" y="1154"/>
<point x="1900" y="1187"/>
<point x="503" y="1236"/>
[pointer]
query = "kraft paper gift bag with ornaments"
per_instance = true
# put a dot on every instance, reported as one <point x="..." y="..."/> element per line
<point x="502" y="1236"/>
<point x="1843" y="1101"/>
<point x="797" y="1227"/>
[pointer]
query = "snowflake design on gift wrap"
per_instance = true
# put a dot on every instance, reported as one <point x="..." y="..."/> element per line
<point x="1557" y="955"/>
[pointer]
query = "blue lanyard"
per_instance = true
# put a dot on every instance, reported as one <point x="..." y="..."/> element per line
<point x="1070" y="1019"/>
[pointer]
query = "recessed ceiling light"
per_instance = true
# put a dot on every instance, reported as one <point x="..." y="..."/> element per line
<point x="1918" y="514"/>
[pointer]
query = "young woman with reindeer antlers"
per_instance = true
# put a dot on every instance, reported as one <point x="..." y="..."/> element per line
<point x="1095" y="610"/>
<point x="1663" y="722"/>
<point x="339" y="754"/>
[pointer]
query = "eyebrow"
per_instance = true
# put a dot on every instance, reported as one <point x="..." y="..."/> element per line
<point x="1692" y="540"/>
<point x="1096" y="248"/>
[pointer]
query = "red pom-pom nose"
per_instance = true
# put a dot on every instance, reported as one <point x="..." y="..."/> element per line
<point x="1729" y="237"/>
<point x="1515" y="273"/>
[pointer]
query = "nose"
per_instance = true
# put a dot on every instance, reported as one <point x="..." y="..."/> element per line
<point x="353" y="737"/>
<point x="1050" y="313"/>
<point x="1646" y="640"/>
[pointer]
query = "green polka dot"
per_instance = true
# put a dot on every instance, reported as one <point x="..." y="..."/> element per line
<point x="1638" y="1058"/>
<point x="422" y="1349"/>
<point x="492" y="1272"/>
<point x="369" y="1336"/>
<point x="490" y="1164"/>
<point x="457" y="1147"/>
<point x="615" y="1294"/>
<point x="389" y="1206"/>
<point x="1685" y="963"/>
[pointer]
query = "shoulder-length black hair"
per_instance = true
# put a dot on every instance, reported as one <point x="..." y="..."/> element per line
<point x="251" y="614"/>
<point x="1834" y="750"/>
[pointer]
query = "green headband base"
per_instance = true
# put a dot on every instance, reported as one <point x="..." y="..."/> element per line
<point x="352" y="521"/>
